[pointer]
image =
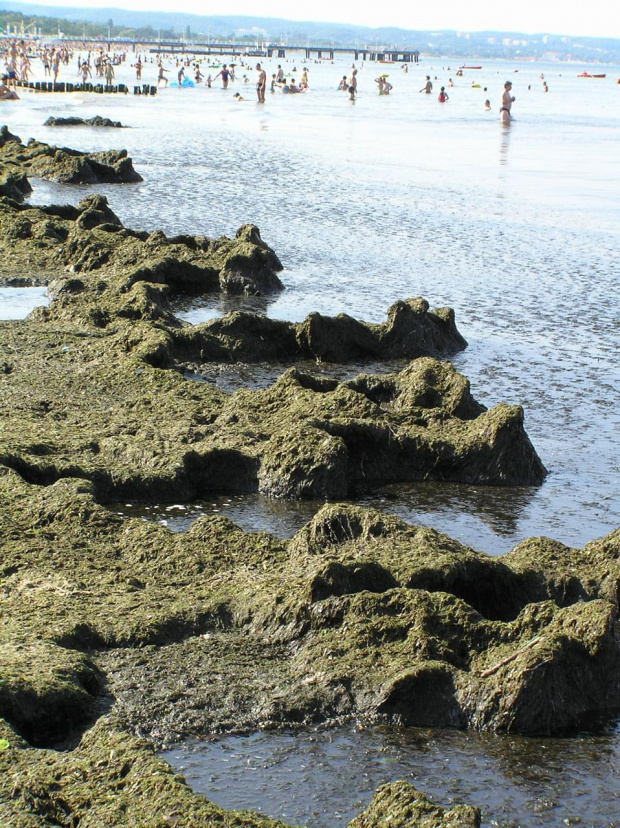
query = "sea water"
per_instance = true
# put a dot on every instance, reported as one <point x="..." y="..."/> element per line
<point x="367" y="202"/>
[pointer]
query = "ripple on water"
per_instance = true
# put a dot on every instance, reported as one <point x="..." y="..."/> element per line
<point x="323" y="778"/>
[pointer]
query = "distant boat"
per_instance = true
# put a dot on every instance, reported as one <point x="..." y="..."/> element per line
<point x="471" y="67"/>
<point x="588" y="75"/>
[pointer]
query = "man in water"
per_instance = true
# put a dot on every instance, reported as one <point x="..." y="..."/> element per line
<point x="353" y="80"/>
<point x="261" y="83"/>
<point x="280" y="74"/>
<point x="428" y="86"/>
<point x="507" y="102"/>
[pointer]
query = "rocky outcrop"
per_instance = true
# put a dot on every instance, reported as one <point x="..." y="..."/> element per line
<point x="411" y="330"/>
<point x="150" y="433"/>
<point x="66" y="166"/>
<point x="53" y="243"/>
<point x="358" y="615"/>
<point x="14" y="183"/>
<point x="96" y="121"/>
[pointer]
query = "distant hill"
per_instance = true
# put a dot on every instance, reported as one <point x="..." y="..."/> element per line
<point x="124" y="22"/>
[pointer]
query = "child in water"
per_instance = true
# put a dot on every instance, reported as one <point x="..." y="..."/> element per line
<point x="443" y="95"/>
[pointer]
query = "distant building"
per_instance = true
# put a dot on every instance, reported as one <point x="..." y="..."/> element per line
<point x="254" y="32"/>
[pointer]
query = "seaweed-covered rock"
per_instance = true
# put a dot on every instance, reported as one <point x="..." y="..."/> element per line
<point x="14" y="183"/>
<point x="46" y="690"/>
<point x="68" y="166"/>
<point x="411" y="330"/>
<point x="147" y="432"/>
<point x="90" y="239"/>
<point x="73" y="120"/>
<point x="400" y="805"/>
<point x="358" y="615"/>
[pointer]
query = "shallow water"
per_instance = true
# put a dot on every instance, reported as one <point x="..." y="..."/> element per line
<point x="322" y="779"/>
<point x="518" y="229"/>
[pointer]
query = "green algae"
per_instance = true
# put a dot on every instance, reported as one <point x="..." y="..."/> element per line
<point x="400" y="805"/>
<point x="114" y="629"/>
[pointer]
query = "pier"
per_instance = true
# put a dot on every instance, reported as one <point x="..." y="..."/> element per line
<point x="381" y="55"/>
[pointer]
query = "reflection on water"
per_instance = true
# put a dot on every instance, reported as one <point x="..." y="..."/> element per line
<point x="17" y="302"/>
<point x="322" y="779"/>
<point x="195" y="309"/>
<point x="233" y="376"/>
<point x="504" y="143"/>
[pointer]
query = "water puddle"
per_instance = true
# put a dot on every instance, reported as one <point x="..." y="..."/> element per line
<point x="255" y="376"/>
<point x="323" y="778"/>
<point x="251" y="512"/>
<point x="488" y="519"/>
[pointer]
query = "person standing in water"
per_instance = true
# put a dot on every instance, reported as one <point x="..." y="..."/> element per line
<point x="507" y="102"/>
<point x="428" y="86"/>
<point x="261" y="83"/>
<point x="225" y="74"/>
<point x="353" y="80"/>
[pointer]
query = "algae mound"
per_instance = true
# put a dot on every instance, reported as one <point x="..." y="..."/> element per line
<point x="64" y="165"/>
<point x="411" y="330"/>
<point x="357" y="615"/>
<point x="52" y="243"/>
<point x="140" y="631"/>
<point x="96" y="120"/>
<point x="400" y="805"/>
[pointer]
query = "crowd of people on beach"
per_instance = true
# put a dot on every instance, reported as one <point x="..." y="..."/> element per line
<point x="193" y="71"/>
<point x="54" y="60"/>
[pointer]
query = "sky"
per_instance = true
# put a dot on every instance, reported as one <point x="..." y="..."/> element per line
<point x="593" y="18"/>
